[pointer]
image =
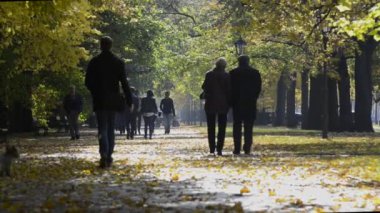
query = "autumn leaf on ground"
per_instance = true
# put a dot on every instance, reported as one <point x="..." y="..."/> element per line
<point x="245" y="190"/>
<point x="175" y="177"/>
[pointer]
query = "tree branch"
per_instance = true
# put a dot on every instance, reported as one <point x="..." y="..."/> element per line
<point x="317" y="24"/>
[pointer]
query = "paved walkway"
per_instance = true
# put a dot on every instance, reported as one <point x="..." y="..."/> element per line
<point x="171" y="173"/>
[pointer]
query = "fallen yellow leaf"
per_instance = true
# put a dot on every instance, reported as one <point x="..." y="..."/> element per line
<point x="175" y="177"/>
<point x="271" y="192"/>
<point x="245" y="189"/>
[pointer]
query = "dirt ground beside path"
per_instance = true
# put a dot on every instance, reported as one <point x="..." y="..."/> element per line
<point x="174" y="173"/>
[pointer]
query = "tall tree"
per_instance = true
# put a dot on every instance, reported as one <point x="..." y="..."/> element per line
<point x="345" y="109"/>
<point x="280" y="100"/>
<point x="291" y="120"/>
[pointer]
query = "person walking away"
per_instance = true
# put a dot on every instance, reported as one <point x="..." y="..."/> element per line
<point x="216" y="88"/>
<point x="104" y="74"/>
<point x="120" y="119"/>
<point x="132" y="115"/>
<point x="168" y="111"/>
<point x="138" y="128"/>
<point x="149" y="111"/>
<point x="246" y="88"/>
<point x="73" y="105"/>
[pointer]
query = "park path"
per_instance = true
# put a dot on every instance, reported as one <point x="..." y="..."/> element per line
<point x="173" y="173"/>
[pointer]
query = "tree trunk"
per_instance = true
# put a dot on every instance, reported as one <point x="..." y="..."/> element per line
<point x="345" y="110"/>
<point x="316" y="100"/>
<point x="291" y="120"/>
<point x="280" y="102"/>
<point x="363" y="85"/>
<point x="20" y="118"/>
<point x="305" y="97"/>
<point x="333" y="105"/>
<point x="20" y="111"/>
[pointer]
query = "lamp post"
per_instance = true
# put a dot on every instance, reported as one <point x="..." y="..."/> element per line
<point x="239" y="45"/>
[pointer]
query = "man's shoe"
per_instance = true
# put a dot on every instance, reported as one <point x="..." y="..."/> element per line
<point x="109" y="162"/>
<point x="77" y="137"/>
<point x="236" y="153"/>
<point x="220" y="153"/>
<point x="103" y="163"/>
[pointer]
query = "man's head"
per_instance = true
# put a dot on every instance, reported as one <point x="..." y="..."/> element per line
<point x="105" y="43"/>
<point x="243" y="60"/>
<point x="221" y="63"/>
<point x="167" y="94"/>
<point x="149" y="93"/>
<point x="133" y="90"/>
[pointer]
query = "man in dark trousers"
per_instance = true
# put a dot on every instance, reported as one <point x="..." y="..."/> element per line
<point x="104" y="73"/>
<point x="167" y="108"/>
<point x="132" y="113"/>
<point x="245" y="89"/>
<point x="73" y="105"/>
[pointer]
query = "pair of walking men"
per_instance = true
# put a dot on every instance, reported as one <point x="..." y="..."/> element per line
<point x="238" y="89"/>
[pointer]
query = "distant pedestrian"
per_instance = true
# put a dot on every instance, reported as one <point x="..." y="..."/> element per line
<point x="139" y="116"/>
<point x="73" y="105"/>
<point x="131" y="115"/>
<point x="120" y="119"/>
<point x="216" y="88"/>
<point x="168" y="111"/>
<point x="149" y="111"/>
<point x="246" y="88"/>
<point x="104" y="73"/>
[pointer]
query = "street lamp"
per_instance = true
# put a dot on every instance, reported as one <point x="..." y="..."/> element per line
<point x="239" y="44"/>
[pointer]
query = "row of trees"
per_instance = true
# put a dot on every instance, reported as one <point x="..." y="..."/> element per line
<point x="316" y="53"/>
<point x="45" y="46"/>
<point x="308" y="52"/>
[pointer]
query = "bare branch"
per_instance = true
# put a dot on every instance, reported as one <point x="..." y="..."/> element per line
<point x="179" y="13"/>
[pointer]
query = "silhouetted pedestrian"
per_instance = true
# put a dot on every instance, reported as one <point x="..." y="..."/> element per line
<point x="168" y="111"/>
<point x="245" y="87"/>
<point x="73" y="105"/>
<point x="149" y="111"/>
<point x="139" y="116"/>
<point x="120" y="119"/>
<point x="104" y="73"/>
<point x="216" y="88"/>
<point x="131" y="116"/>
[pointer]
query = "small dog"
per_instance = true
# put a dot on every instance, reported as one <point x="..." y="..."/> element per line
<point x="6" y="159"/>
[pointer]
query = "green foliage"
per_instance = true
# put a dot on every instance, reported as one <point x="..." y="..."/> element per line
<point x="44" y="100"/>
<point x="170" y="45"/>
<point x="359" y="23"/>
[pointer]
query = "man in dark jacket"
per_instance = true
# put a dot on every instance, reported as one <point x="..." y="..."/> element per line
<point x="149" y="111"/>
<point x="131" y="117"/>
<point x="168" y="111"/>
<point x="73" y="105"/>
<point x="245" y="87"/>
<point x="104" y="72"/>
<point x="216" y="87"/>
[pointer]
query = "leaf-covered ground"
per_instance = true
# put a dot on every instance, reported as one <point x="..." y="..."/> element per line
<point x="290" y="170"/>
